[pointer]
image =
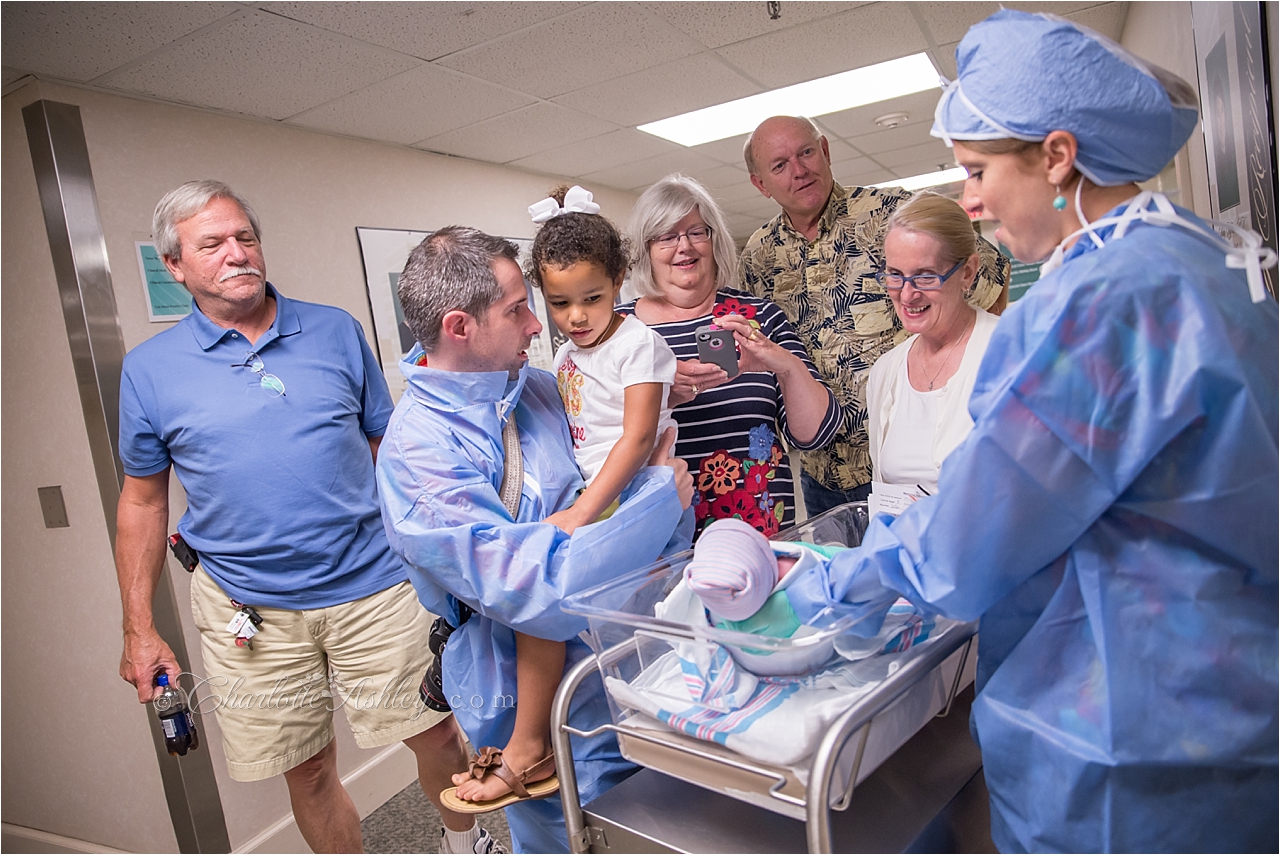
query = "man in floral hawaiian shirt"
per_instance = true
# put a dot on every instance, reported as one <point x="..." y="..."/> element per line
<point x="817" y="260"/>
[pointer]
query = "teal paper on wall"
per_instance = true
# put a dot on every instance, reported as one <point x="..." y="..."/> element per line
<point x="167" y="300"/>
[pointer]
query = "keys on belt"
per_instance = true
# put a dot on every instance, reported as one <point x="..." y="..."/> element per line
<point x="244" y="625"/>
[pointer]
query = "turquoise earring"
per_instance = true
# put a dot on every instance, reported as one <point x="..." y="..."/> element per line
<point x="1059" y="201"/>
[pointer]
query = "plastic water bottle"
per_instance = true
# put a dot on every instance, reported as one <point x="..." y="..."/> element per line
<point x="180" y="733"/>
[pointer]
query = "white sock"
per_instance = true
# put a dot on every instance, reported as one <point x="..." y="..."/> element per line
<point x="462" y="841"/>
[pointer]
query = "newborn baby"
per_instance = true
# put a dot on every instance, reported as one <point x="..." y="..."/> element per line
<point x="735" y="571"/>
<point x="747" y="584"/>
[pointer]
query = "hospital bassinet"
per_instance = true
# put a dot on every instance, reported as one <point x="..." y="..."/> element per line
<point x="627" y="638"/>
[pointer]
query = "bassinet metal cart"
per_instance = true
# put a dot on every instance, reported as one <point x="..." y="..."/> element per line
<point x="688" y="784"/>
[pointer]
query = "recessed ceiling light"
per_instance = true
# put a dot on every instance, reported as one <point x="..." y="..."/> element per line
<point x="929" y="179"/>
<point x="879" y="82"/>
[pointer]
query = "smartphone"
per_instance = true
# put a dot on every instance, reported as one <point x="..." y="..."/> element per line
<point x="716" y="346"/>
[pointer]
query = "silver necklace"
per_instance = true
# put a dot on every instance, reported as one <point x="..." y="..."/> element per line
<point x="945" y="361"/>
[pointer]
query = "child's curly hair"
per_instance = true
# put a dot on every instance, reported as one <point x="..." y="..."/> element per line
<point x="569" y="238"/>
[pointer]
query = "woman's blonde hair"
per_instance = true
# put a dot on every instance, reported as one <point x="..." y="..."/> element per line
<point x="936" y="215"/>
<point x="662" y="206"/>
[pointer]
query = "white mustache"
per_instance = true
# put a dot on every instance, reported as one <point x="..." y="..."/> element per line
<point x="240" y="271"/>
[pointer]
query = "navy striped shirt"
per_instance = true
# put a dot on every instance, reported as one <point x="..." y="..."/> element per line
<point x="731" y="436"/>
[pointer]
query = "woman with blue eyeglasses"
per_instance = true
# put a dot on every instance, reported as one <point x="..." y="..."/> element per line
<point x="918" y="393"/>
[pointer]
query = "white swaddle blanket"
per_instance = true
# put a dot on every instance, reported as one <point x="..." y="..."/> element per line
<point x="697" y="688"/>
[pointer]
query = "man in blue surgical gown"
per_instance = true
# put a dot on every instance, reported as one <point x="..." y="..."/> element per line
<point x="1112" y="518"/>
<point x="440" y="474"/>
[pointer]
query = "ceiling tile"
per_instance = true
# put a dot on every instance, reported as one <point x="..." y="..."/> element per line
<point x="935" y="153"/>
<point x="946" y="59"/>
<point x="426" y="30"/>
<point x="948" y="22"/>
<point x="828" y="46"/>
<point x="423" y="102"/>
<point x="717" y="24"/>
<point x="864" y="179"/>
<point x="592" y="155"/>
<point x="640" y="174"/>
<point x="839" y="149"/>
<point x="735" y="193"/>
<point x="726" y="150"/>
<point x="853" y="123"/>
<point x="854" y="166"/>
<point x="686" y="84"/>
<point x="1106" y="18"/>
<point x="720" y="176"/>
<point x="582" y="48"/>
<point x="252" y="66"/>
<point x="11" y="75"/>
<point x="517" y="134"/>
<point x="743" y="226"/>
<point x="893" y="139"/>
<point x="759" y="207"/>
<point x="920" y="167"/>
<point x="80" y="41"/>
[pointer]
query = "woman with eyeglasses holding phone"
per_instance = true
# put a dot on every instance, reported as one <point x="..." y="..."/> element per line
<point x="918" y="393"/>
<point x="735" y="404"/>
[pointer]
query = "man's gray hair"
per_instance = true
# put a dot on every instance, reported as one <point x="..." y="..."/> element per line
<point x="749" y="156"/>
<point x="452" y="269"/>
<point x="662" y="206"/>
<point x="185" y="202"/>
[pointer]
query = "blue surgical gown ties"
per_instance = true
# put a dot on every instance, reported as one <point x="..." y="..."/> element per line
<point x="439" y="472"/>
<point x="1112" y="519"/>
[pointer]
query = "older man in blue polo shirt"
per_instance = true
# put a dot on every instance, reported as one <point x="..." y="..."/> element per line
<point x="271" y="410"/>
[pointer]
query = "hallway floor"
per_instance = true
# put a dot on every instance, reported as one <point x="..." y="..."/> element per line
<point x="410" y="823"/>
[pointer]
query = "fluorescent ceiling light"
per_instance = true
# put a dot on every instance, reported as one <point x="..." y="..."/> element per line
<point x="929" y="179"/>
<point x="842" y="91"/>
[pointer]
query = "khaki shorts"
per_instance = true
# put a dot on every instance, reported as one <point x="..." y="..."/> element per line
<point x="275" y="702"/>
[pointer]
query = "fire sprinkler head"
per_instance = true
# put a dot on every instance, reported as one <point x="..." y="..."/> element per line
<point x="891" y="120"/>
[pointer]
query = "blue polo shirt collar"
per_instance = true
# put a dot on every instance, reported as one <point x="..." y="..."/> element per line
<point x="208" y="334"/>
<point x="458" y="391"/>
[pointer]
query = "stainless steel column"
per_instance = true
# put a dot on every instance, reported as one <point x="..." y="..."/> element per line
<point x="61" y="158"/>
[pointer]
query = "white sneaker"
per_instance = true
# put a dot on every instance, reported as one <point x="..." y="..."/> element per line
<point x="484" y="844"/>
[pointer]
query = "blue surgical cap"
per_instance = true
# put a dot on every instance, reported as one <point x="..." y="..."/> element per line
<point x="1023" y="75"/>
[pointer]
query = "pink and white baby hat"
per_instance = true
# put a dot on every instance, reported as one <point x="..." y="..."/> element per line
<point x="733" y="570"/>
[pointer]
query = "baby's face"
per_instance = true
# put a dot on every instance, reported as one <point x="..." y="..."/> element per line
<point x="785" y="563"/>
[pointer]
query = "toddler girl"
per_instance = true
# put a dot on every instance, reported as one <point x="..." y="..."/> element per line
<point x="614" y="376"/>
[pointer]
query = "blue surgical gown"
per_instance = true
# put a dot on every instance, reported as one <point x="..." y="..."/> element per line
<point x="439" y="473"/>
<point x="1113" y="520"/>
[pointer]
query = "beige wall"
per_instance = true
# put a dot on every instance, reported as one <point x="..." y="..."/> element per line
<point x="1161" y="33"/>
<point x="77" y="753"/>
<point x="61" y="611"/>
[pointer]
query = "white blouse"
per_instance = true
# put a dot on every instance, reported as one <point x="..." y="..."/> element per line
<point x="906" y="457"/>
<point x="921" y="439"/>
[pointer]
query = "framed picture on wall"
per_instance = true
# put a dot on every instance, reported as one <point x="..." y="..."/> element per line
<point x="384" y="253"/>
<point x="167" y="299"/>
<point x="1237" y="115"/>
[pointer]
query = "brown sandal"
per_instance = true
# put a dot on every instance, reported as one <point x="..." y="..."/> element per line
<point x="489" y="761"/>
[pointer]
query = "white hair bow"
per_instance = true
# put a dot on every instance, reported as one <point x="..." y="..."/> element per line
<point x="576" y="200"/>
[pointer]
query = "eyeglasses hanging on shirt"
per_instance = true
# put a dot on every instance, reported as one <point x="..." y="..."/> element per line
<point x="270" y="382"/>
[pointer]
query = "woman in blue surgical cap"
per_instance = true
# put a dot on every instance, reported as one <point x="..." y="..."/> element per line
<point x="1112" y="518"/>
